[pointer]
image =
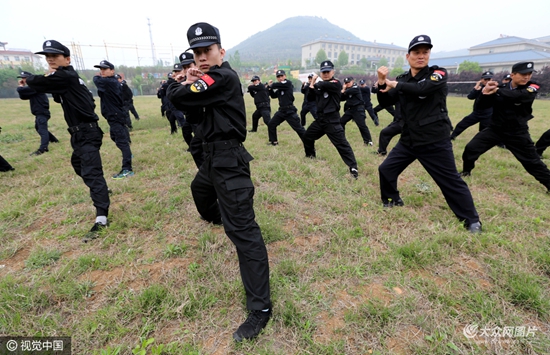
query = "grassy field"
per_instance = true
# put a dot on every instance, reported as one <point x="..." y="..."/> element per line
<point x="347" y="276"/>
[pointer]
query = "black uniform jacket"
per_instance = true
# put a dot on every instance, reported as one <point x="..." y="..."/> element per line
<point x="40" y="105"/>
<point x="353" y="97"/>
<point x="326" y="94"/>
<point x="68" y="90"/>
<point x="127" y="94"/>
<point x="110" y="92"/>
<point x="164" y="88"/>
<point x="365" y="92"/>
<point x="305" y="90"/>
<point x="512" y="108"/>
<point x="215" y="102"/>
<point x="259" y="93"/>
<point x="282" y="91"/>
<point x="422" y="105"/>
<point x="474" y="95"/>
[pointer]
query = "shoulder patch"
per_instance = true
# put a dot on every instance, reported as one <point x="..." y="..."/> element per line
<point x="533" y="87"/>
<point x="437" y="75"/>
<point x="202" y="84"/>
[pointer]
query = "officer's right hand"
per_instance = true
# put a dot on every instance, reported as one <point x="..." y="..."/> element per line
<point x="270" y="82"/>
<point x="490" y="88"/>
<point x="383" y="72"/>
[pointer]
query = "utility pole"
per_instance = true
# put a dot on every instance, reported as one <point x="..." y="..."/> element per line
<point x="152" y="45"/>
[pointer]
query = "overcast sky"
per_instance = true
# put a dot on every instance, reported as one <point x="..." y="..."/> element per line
<point x="452" y="25"/>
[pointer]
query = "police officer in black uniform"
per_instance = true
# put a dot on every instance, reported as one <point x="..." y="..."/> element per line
<point x="187" y="60"/>
<point x="307" y="106"/>
<point x="365" y="92"/>
<point x="40" y="108"/>
<point x="168" y="106"/>
<point x="261" y="99"/>
<point x="284" y="91"/>
<point x="354" y="109"/>
<point x="422" y="95"/>
<point x="78" y="108"/>
<point x="326" y="93"/>
<point x="176" y="117"/>
<point x="131" y="106"/>
<point x="390" y="109"/>
<point x="161" y="94"/>
<point x="223" y="191"/>
<point x="127" y="96"/>
<point x="112" y="108"/>
<point x="512" y="108"/>
<point x="478" y="115"/>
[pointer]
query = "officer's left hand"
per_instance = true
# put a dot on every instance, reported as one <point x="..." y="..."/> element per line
<point x="390" y="84"/>
<point x="193" y="74"/>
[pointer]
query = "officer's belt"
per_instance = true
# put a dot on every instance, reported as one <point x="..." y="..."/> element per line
<point x="82" y="126"/>
<point x="281" y="108"/>
<point x="220" y="145"/>
<point x="263" y="104"/>
<point x="360" y="106"/>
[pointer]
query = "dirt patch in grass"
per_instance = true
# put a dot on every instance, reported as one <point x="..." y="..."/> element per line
<point x="327" y="325"/>
<point x="133" y="275"/>
<point x="404" y="336"/>
<point x="474" y="270"/>
<point x="16" y="262"/>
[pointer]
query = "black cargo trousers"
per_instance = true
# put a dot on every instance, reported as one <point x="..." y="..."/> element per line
<point x="86" y="141"/>
<point x="223" y="192"/>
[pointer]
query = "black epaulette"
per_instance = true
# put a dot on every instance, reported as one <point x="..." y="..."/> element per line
<point x="402" y="75"/>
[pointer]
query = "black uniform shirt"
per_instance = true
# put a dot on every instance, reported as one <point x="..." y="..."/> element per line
<point x="282" y="91"/>
<point x="164" y="89"/>
<point x="40" y="105"/>
<point x="110" y="92"/>
<point x="305" y="91"/>
<point x="512" y="108"/>
<point x="326" y="93"/>
<point x="215" y="102"/>
<point x="259" y="93"/>
<point x="365" y="92"/>
<point x="127" y="94"/>
<point x="68" y="90"/>
<point x="422" y="105"/>
<point x="353" y="97"/>
<point x="474" y="95"/>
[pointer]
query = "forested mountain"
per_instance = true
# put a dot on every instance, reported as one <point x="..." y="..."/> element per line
<point x="283" y="41"/>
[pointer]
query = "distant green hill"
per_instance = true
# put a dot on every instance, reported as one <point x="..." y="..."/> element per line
<point x="283" y="41"/>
